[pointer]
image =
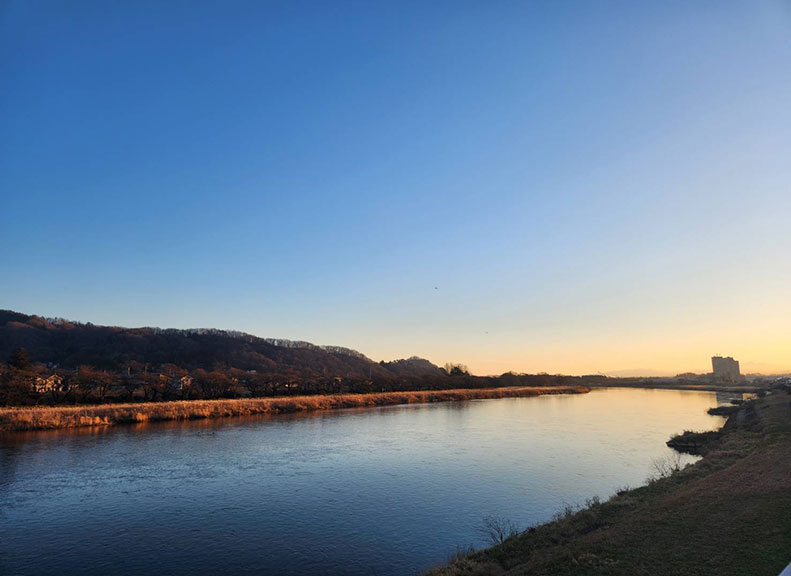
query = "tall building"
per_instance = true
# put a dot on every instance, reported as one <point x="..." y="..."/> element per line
<point x="725" y="368"/>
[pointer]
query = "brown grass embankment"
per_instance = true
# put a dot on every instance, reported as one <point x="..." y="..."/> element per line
<point x="47" y="418"/>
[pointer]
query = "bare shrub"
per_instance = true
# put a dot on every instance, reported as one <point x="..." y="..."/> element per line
<point x="665" y="467"/>
<point x="623" y="490"/>
<point x="460" y="553"/>
<point x="498" y="529"/>
<point x="592" y="502"/>
<point x="567" y="512"/>
<point x="587" y="513"/>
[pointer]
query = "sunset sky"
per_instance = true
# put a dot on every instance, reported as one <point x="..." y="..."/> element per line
<point x="573" y="187"/>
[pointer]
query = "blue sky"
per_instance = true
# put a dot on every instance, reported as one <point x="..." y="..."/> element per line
<point x="557" y="186"/>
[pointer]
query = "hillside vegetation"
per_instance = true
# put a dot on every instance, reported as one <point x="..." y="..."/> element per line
<point x="71" y="344"/>
<point x="55" y="361"/>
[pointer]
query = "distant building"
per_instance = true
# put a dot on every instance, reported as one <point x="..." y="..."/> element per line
<point x="181" y="383"/>
<point x="48" y="384"/>
<point x="725" y="368"/>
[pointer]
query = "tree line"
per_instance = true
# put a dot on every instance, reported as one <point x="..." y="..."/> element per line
<point x="24" y="382"/>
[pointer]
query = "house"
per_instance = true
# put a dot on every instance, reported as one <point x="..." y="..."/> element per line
<point x="50" y="383"/>
<point x="181" y="383"/>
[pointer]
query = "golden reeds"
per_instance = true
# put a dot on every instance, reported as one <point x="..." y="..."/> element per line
<point x="45" y="418"/>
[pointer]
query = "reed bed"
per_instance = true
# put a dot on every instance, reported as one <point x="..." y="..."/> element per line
<point x="48" y="418"/>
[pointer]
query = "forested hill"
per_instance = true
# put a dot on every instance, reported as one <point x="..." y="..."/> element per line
<point x="71" y="344"/>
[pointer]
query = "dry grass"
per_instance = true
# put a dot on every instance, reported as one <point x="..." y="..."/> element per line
<point x="47" y="418"/>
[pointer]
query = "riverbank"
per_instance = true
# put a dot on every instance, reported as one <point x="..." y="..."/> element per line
<point x="700" y="387"/>
<point x="48" y="418"/>
<point x="728" y="514"/>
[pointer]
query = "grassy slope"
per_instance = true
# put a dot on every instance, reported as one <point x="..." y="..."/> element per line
<point x="729" y="514"/>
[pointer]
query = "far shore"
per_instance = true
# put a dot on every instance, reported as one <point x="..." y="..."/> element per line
<point x="53" y="417"/>
<point x="702" y="387"/>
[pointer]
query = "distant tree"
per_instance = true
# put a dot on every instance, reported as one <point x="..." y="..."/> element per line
<point x="361" y="386"/>
<point x="154" y="385"/>
<point x="199" y="376"/>
<point x="130" y="384"/>
<point x="16" y="386"/>
<point x="95" y="382"/>
<point x="67" y="385"/>
<point x="212" y="384"/>
<point x="134" y="367"/>
<point x="509" y="379"/>
<point x="273" y="384"/>
<point x="19" y="359"/>
<point x="173" y="370"/>
<point x="257" y="384"/>
<point x="456" y="369"/>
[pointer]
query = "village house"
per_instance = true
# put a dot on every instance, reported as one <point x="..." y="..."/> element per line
<point x="49" y="383"/>
<point x="181" y="383"/>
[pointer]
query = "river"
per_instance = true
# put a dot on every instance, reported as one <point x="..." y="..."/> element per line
<point x="384" y="491"/>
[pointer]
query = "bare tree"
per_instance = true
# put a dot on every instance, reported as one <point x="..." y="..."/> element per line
<point x="498" y="529"/>
<point x="453" y="369"/>
<point x="666" y="466"/>
<point x="93" y="381"/>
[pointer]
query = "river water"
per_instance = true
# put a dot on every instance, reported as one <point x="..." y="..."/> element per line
<point x="386" y="491"/>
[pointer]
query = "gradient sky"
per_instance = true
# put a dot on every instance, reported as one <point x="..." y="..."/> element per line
<point x="572" y="187"/>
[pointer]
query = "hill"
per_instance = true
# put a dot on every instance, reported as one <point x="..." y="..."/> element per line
<point x="70" y="344"/>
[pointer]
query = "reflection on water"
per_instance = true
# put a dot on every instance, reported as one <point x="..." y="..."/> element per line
<point x="366" y="491"/>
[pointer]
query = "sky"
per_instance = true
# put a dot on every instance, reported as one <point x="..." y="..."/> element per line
<point x="563" y="187"/>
